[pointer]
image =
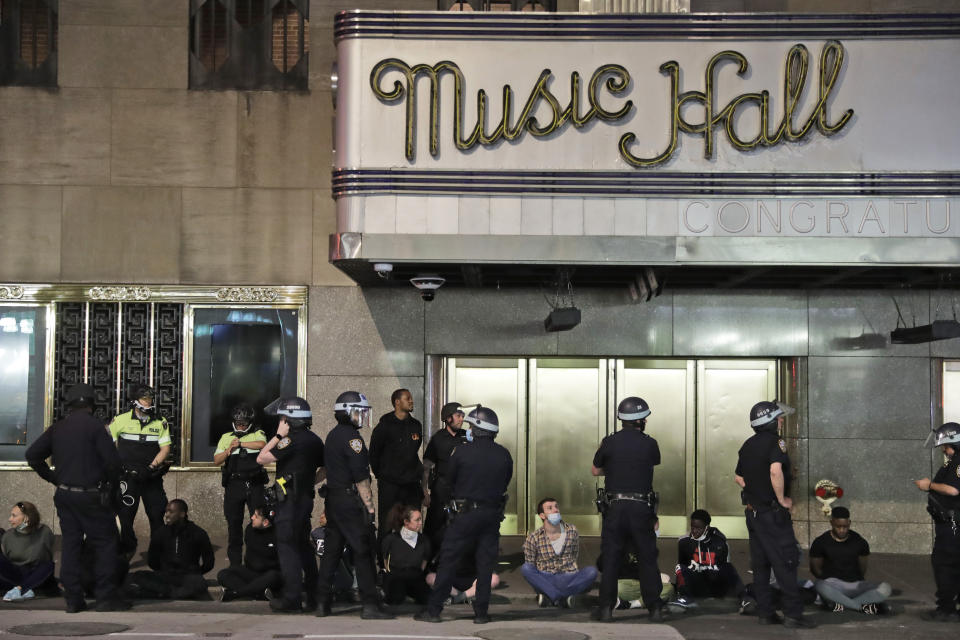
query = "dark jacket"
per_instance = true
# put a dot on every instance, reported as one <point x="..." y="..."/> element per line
<point x="180" y="548"/>
<point x="261" y="553"/>
<point x="707" y="554"/>
<point x="400" y="557"/>
<point x="395" y="450"/>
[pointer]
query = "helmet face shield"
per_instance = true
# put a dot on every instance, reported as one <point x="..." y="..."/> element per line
<point x="360" y="417"/>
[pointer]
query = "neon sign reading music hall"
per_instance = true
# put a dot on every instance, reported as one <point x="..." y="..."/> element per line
<point x="615" y="80"/>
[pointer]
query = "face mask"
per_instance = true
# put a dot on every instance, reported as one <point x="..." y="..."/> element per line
<point x="554" y="518"/>
<point x="656" y="532"/>
<point x="469" y="434"/>
<point x="23" y="526"/>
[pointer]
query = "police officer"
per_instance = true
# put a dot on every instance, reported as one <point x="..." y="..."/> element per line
<point x="763" y="472"/>
<point x="349" y="506"/>
<point x="84" y="460"/>
<point x="480" y="473"/>
<point x="436" y="471"/>
<point x="143" y="440"/>
<point x="626" y="459"/>
<point x="298" y="454"/>
<point x="242" y="476"/>
<point x="944" y="506"/>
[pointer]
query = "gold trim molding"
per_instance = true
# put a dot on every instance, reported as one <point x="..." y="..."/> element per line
<point x="120" y="292"/>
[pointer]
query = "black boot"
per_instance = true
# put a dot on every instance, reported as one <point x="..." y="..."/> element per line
<point x="602" y="614"/>
<point x="375" y="612"/>
<point x="325" y="607"/>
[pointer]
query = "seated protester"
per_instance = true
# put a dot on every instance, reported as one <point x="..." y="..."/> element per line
<point x="628" y="585"/>
<point x="261" y="565"/>
<point x="344" y="580"/>
<point x="703" y="564"/>
<point x="405" y="551"/>
<point x="26" y="553"/>
<point x="464" y="587"/>
<point x="550" y="559"/>
<point x="838" y="559"/>
<point x="180" y="553"/>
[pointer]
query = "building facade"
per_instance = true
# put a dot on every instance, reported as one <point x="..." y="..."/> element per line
<point x="162" y="213"/>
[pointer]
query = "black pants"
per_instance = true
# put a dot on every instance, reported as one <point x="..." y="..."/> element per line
<point x="946" y="567"/>
<point x="154" y="504"/>
<point x="437" y="517"/>
<point x="773" y="547"/>
<point x="347" y="525"/>
<point x="477" y="532"/>
<point x="625" y="521"/>
<point x="248" y="583"/>
<point x="167" y="585"/>
<point x="389" y="494"/>
<point x="236" y="494"/>
<point x="722" y="582"/>
<point x="400" y="583"/>
<point x="81" y="514"/>
<point x="298" y="562"/>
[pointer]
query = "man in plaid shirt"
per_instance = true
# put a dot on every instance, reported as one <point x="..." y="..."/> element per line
<point x="550" y="559"/>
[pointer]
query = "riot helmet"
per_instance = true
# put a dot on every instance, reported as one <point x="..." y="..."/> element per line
<point x="293" y="409"/>
<point x="144" y="398"/>
<point x="484" y="420"/>
<point x="242" y="417"/>
<point x="948" y="433"/>
<point x="764" y="415"/>
<point x="78" y="396"/>
<point x="632" y="409"/>
<point x="354" y="408"/>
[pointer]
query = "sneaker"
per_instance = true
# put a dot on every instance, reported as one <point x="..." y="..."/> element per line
<point x="748" y="607"/>
<point x="226" y="595"/>
<point x="570" y="602"/>
<point x="622" y="604"/>
<point x="14" y="595"/>
<point x="28" y="595"/>
<point x="837" y="607"/>
<point x="543" y="601"/>
<point x="460" y="598"/>
<point x="870" y="609"/>
<point x="682" y="602"/>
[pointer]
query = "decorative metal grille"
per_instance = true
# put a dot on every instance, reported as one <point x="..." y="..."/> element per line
<point x="135" y="363"/>
<point x="69" y="351"/>
<point x="168" y="367"/>
<point x="28" y="42"/>
<point x="102" y="357"/>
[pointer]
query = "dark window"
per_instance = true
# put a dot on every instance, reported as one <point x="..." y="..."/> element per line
<point x="497" y="5"/>
<point x="22" y="352"/>
<point x="28" y="42"/>
<point x="249" y="44"/>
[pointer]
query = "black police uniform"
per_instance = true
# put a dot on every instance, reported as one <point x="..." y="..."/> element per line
<point x="480" y="472"/>
<point x="242" y="479"/>
<point x="439" y="450"/>
<point x="773" y="545"/>
<point x="627" y="458"/>
<point x="299" y="454"/>
<point x="946" y="544"/>
<point x="348" y="521"/>
<point x="84" y="456"/>
<point x="395" y="461"/>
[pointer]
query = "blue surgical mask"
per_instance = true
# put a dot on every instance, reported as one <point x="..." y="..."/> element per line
<point x="469" y="434"/>
<point x="554" y="518"/>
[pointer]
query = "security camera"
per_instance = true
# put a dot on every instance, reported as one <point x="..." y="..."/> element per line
<point x="428" y="285"/>
<point x="383" y="269"/>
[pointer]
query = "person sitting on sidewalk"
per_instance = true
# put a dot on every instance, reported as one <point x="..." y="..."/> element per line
<point x="703" y="564"/>
<point x="180" y="553"/>
<point x="26" y="553"/>
<point x="550" y="559"/>
<point x="261" y="565"/>
<point x="838" y="559"/>
<point x="405" y="551"/>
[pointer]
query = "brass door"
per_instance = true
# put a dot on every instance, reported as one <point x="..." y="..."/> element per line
<point x="668" y="387"/>
<point x="498" y="383"/>
<point x="726" y="390"/>
<point x="568" y="417"/>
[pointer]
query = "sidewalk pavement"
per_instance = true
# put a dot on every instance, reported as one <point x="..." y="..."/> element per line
<point x="515" y="612"/>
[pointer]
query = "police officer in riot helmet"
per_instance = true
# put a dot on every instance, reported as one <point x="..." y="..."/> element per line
<point x="298" y="454"/>
<point x="436" y="471"/>
<point x="242" y="476"/>
<point x="86" y="473"/>
<point x="943" y="503"/>
<point x="349" y="506"/>
<point x="143" y="440"/>
<point x="763" y="473"/>
<point x="480" y="473"/>
<point x="626" y="459"/>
